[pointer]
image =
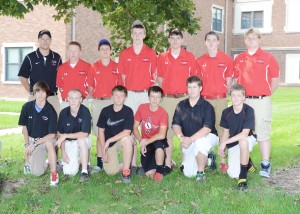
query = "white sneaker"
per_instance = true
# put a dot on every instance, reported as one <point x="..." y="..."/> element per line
<point x="96" y="169"/>
<point x="27" y="169"/>
<point x="54" y="179"/>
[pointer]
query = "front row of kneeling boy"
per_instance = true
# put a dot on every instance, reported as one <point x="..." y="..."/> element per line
<point x="193" y="123"/>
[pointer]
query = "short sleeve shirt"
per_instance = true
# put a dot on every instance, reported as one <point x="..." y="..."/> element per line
<point x="192" y="119"/>
<point x="237" y="122"/>
<point x="151" y="121"/>
<point x="38" y="124"/>
<point x="115" y="122"/>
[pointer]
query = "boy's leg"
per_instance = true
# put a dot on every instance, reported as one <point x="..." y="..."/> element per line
<point x="127" y="145"/>
<point x="112" y="167"/>
<point x="52" y="158"/>
<point x="72" y="150"/>
<point x="84" y="145"/>
<point x="234" y="162"/>
<point x="37" y="160"/>
<point x="148" y="161"/>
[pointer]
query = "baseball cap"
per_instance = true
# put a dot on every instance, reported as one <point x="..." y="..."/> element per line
<point x="137" y="23"/>
<point x="104" y="42"/>
<point x="43" y="32"/>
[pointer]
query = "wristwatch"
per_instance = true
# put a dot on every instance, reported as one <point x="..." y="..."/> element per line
<point x="35" y="145"/>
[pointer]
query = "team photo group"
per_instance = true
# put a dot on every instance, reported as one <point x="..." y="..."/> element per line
<point x="144" y="104"/>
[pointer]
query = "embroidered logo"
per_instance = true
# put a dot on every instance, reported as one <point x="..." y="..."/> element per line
<point x="30" y="117"/>
<point x="145" y="60"/>
<point x="113" y="123"/>
<point x="79" y="120"/>
<point x="129" y="60"/>
<point x="82" y="73"/>
<point x="184" y="63"/>
<point x="53" y="62"/>
<point x="37" y="63"/>
<point x="221" y="64"/>
<point x="98" y="72"/>
<point x="260" y="61"/>
<point x="45" y="118"/>
<point x="68" y="124"/>
<point x="166" y="62"/>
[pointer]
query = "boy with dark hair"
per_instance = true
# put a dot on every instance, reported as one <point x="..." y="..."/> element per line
<point x="39" y="121"/>
<point x="115" y="126"/>
<point x="153" y="120"/>
<point x="238" y="123"/>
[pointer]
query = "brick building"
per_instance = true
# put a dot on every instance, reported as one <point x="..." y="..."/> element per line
<point x="277" y="20"/>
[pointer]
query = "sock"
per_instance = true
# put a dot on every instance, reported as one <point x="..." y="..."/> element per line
<point x="243" y="173"/>
<point x="99" y="162"/>
<point x="84" y="171"/>
<point x="159" y="169"/>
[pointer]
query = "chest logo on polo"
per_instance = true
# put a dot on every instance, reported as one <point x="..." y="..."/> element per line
<point x="30" y="117"/>
<point x="82" y="73"/>
<point x="44" y="118"/>
<point x="68" y="124"/>
<point x="98" y="72"/>
<point x="79" y="120"/>
<point x="53" y="62"/>
<point x="221" y="64"/>
<point x="184" y="62"/>
<point x="145" y="60"/>
<point x="166" y="62"/>
<point x="149" y="126"/>
<point x="65" y="74"/>
<point x="260" y="61"/>
<point x="114" y="71"/>
<point x="37" y="63"/>
<point x="113" y="123"/>
<point x="129" y="60"/>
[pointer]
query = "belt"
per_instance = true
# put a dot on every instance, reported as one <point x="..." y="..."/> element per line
<point x="176" y="95"/>
<point x="34" y="139"/>
<point x="219" y="96"/>
<point x="102" y="98"/>
<point x="139" y="91"/>
<point x="256" y="97"/>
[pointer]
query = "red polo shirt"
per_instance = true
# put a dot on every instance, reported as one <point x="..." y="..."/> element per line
<point x="175" y="71"/>
<point x="139" y="69"/>
<point x="213" y="72"/>
<point x="255" y="72"/>
<point x="103" y="78"/>
<point x="70" y="78"/>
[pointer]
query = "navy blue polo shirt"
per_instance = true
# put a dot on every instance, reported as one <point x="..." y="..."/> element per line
<point x="38" y="124"/>
<point x="37" y="69"/>
<point x="192" y="119"/>
<point x="67" y="123"/>
<point x="237" y="122"/>
<point x="115" y="122"/>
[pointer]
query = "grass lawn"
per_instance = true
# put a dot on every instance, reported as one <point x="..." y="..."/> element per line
<point x="176" y="194"/>
<point x="10" y="106"/>
<point x="8" y="121"/>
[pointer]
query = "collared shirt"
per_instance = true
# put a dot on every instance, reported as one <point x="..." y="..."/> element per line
<point x="38" y="124"/>
<point x="69" y="78"/>
<point x="36" y="68"/>
<point x="175" y="71"/>
<point x="237" y="122"/>
<point x="213" y="71"/>
<point x="255" y="72"/>
<point x="192" y="119"/>
<point x="138" y="68"/>
<point x="103" y="78"/>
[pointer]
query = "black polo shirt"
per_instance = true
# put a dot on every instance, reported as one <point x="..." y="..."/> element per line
<point x="37" y="69"/>
<point x="237" y="122"/>
<point x="192" y="119"/>
<point x="115" y="122"/>
<point x="38" y="124"/>
<point x="69" y="124"/>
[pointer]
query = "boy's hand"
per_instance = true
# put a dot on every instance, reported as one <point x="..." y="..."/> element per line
<point x="221" y="151"/>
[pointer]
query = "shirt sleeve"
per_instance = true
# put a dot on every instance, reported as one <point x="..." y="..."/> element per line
<point x="25" y="68"/>
<point x="229" y="71"/>
<point x="274" y="67"/>
<point x="60" y="127"/>
<point x="199" y="68"/>
<point x="86" y="123"/>
<point x="23" y="119"/>
<point x="153" y="64"/>
<point x="223" y="122"/>
<point x="209" y="116"/>
<point x="177" y="116"/>
<point x="129" y="120"/>
<point x="160" y="66"/>
<point x="138" y="116"/>
<point x="164" y="119"/>
<point x="236" y="67"/>
<point x="193" y="68"/>
<point x="249" y="119"/>
<point x="102" y="119"/>
<point x="52" y="128"/>
<point x="122" y="63"/>
<point x="59" y="78"/>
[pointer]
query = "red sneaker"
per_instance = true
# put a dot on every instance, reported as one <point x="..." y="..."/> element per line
<point x="158" y="177"/>
<point x="223" y="167"/>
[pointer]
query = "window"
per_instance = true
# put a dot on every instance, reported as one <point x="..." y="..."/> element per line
<point x="292" y="16"/>
<point x="217" y="19"/>
<point x="252" y="19"/>
<point x="13" y="59"/>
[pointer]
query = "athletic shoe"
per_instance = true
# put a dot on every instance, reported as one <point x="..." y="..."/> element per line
<point x="200" y="177"/>
<point x="251" y="167"/>
<point x="96" y="169"/>
<point x="133" y="169"/>
<point x="89" y="168"/>
<point x="59" y="165"/>
<point x="213" y="164"/>
<point x="54" y="179"/>
<point x="265" y="170"/>
<point x="27" y="169"/>
<point x="167" y="170"/>
<point x="181" y="168"/>
<point x="223" y="167"/>
<point x="84" y="177"/>
<point x="125" y="176"/>
<point x="140" y="171"/>
<point x="158" y="177"/>
<point x="242" y="184"/>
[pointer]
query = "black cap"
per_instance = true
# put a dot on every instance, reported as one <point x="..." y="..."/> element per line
<point x="104" y="42"/>
<point x="43" y="32"/>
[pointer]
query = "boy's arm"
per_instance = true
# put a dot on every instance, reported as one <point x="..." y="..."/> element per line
<point x="25" y="135"/>
<point x="45" y="138"/>
<point x="118" y="137"/>
<point x="136" y="131"/>
<point x="77" y="135"/>
<point x="159" y="136"/>
<point x="242" y="135"/>
<point x="222" y="146"/>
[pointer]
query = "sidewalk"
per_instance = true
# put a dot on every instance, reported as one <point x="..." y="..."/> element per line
<point x="11" y="131"/>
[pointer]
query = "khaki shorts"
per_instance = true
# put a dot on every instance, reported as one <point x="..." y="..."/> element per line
<point x="170" y="104"/>
<point x="234" y="158"/>
<point x="97" y="106"/>
<point x="37" y="159"/>
<point x="53" y="100"/>
<point x="263" y="117"/>
<point x="135" y="99"/>
<point x="73" y="151"/>
<point x="219" y="105"/>
<point x="112" y="167"/>
<point x="65" y="104"/>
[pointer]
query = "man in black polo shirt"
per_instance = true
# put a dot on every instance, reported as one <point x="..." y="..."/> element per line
<point x="41" y="65"/>
<point x="74" y="127"/>
<point x="238" y="123"/>
<point x="194" y="125"/>
<point x="39" y="121"/>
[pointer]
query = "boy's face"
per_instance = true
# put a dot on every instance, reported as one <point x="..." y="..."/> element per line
<point x="237" y="98"/>
<point x="138" y="35"/>
<point x="73" y="53"/>
<point x="118" y="97"/>
<point x="252" y="41"/>
<point x="40" y="95"/>
<point x="105" y="51"/>
<point x="194" y="90"/>
<point x="44" y="42"/>
<point x="74" y="99"/>
<point x="155" y="98"/>
<point x="175" y="41"/>
<point x="212" y="42"/>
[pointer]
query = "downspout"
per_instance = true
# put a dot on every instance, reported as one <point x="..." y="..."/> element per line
<point x="73" y="26"/>
<point x="226" y="26"/>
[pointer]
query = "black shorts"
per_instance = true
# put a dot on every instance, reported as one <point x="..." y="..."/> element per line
<point x="148" y="161"/>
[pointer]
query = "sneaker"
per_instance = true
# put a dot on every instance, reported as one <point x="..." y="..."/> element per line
<point x="167" y="170"/>
<point x="265" y="170"/>
<point x="200" y="177"/>
<point x="140" y="171"/>
<point x="223" y="167"/>
<point x="59" y="165"/>
<point x="96" y="169"/>
<point x="89" y="168"/>
<point x="213" y="164"/>
<point x="242" y="184"/>
<point x="84" y="178"/>
<point x="181" y="168"/>
<point x="27" y="169"/>
<point x="125" y="176"/>
<point x="54" y="179"/>
<point x="133" y="169"/>
<point x="158" y="177"/>
<point x="251" y="167"/>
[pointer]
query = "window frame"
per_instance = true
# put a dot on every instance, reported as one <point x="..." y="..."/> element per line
<point x="217" y="7"/>
<point x="252" y="15"/>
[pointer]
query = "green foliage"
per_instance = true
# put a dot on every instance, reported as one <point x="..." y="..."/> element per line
<point x="119" y="15"/>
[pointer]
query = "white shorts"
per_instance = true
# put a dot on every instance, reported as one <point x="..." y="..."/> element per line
<point x="202" y="145"/>
<point x="234" y="157"/>
<point x="73" y="151"/>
